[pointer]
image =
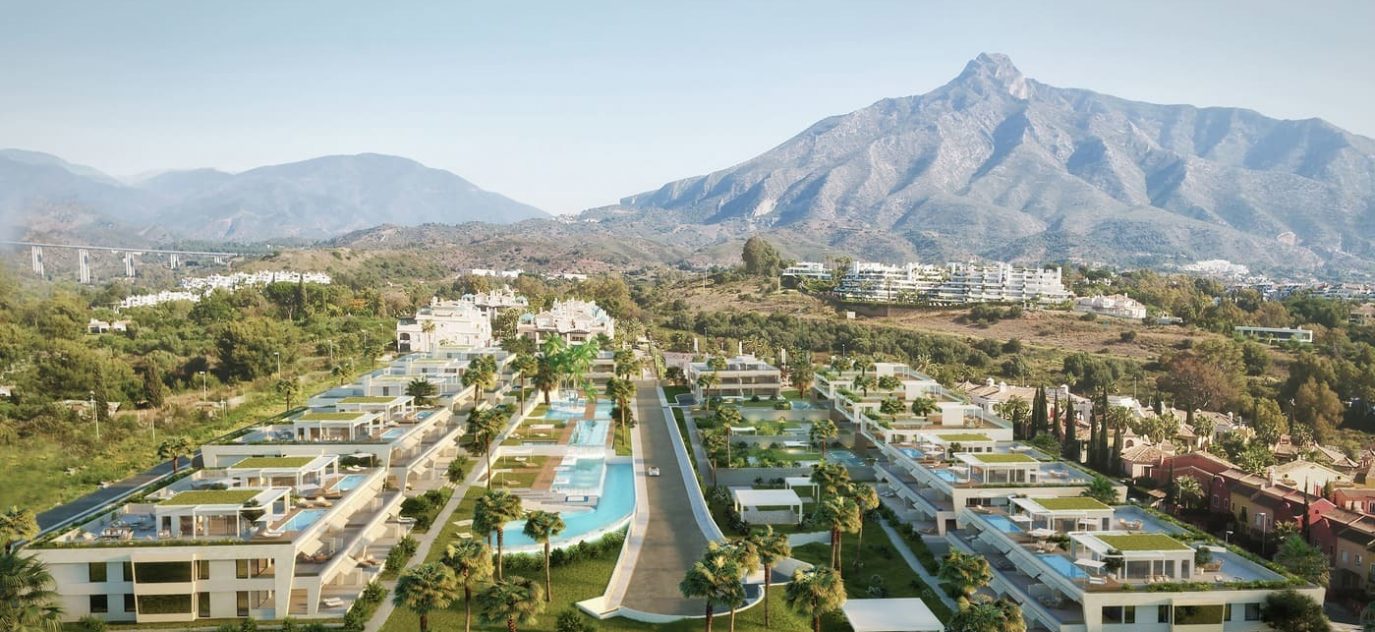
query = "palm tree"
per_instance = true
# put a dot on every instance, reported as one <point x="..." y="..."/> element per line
<point x="1102" y="490"/>
<point x="495" y="509"/>
<point x="483" y="427"/>
<point x="829" y="478"/>
<point x="28" y="599"/>
<point x="772" y="548"/>
<point x="816" y="592"/>
<point x="481" y="377"/>
<point x="422" y="391"/>
<point x="547" y="375"/>
<point x="715" y="578"/>
<point x="540" y="526"/>
<point x="864" y="383"/>
<point x="626" y="363"/>
<point x="839" y="515"/>
<point x="578" y="361"/>
<point x="988" y="616"/>
<point x="866" y="499"/>
<point x="424" y="589"/>
<point x="889" y="383"/>
<point x="16" y="525"/>
<point x="471" y="562"/>
<point x="706" y="382"/>
<point x="891" y="407"/>
<point x="746" y="556"/>
<point x="1188" y="492"/>
<point x="822" y="432"/>
<point x="966" y="574"/>
<point x="173" y="448"/>
<point x="288" y="387"/>
<point x="620" y="390"/>
<point x="525" y="366"/>
<point x="519" y="600"/>
<point x="714" y="442"/>
<point x="924" y="407"/>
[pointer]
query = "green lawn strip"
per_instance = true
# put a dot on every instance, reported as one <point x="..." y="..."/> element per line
<point x="425" y="519"/>
<point x="1143" y="542"/>
<point x="622" y="440"/>
<point x="671" y="393"/>
<point x="264" y="462"/>
<point x="994" y="459"/>
<point x="1070" y="503"/>
<point x="449" y="532"/>
<point x="880" y="559"/>
<point x="212" y="497"/>
<point x="519" y="479"/>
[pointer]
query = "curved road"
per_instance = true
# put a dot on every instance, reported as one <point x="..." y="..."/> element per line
<point x="673" y="541"/>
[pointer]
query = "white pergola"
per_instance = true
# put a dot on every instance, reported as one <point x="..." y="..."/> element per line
<point x="754" y="499"/>
<point x="908" y="614"/>
<point x="795" y="482"/>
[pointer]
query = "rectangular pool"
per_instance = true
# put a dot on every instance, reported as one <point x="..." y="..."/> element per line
<point x="912" y="453"/>
<point x="614" y="505"/>
<point x="1063" y="566"/>
<point x="394" y="433"/>
<point x="303" y="519"/>
<point x="584" y="477"/>
<point x="350" y="482"/>
<point x="947" y="475"/>
<point x="1003" y="523"/>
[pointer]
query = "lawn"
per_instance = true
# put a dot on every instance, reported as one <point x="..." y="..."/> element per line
<point x="672" y="392"/>
<point x="213" y="497"/>
<point x="994" y="459"/>
<point x="1070" y="503"/>
<point x="1143" y="542"/>
<point x="621" y="440"/>
<point x="880" y="560"/>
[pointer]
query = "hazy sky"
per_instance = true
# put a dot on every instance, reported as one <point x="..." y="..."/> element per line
<point x="568" y="105"/>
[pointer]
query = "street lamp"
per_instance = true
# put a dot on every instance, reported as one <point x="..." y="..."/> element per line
<point x="1263" y="529"/>
<point x="94" y="415"/>
<point x="278" y="356"/>
<point x="202" y="385"/>
<point x="1227" y="539"/>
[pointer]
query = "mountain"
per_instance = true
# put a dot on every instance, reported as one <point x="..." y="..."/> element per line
<point x="312" y="199"/>
<point x="994" y="164"/>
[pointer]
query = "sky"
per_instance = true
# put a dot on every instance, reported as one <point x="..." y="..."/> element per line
<point x="573" y="105"/>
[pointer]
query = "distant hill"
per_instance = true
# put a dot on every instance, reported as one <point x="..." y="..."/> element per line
<point x="309" y="200"/>
<point x="997" y="165"/>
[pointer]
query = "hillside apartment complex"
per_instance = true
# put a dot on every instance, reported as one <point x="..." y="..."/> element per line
<point x="743" y="377"/>
<point x="573" y="320"/>
<point x="952" y="284"/>
<point x="444" y="323"/>
<point x="292" y="517"/>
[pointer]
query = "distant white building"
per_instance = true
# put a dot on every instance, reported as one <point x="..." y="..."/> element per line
<point x="574" y="320"/>
<point x="503" y="274"/>
<point x="883" y="283"/>
<point x="149" y="300"/>
<point x="241" y="279"/>
<point x="953" y="284"/>
<point x="493" y="302"/>
<point x="449" y="323"/>
<point x="807" y="270"/>
<point x="744" y="376"/>
<point x="1116" y="306"/>
<point x="1276" y="334"/>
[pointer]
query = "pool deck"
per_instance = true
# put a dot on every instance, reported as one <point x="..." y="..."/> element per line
<point x="672" y="540"/>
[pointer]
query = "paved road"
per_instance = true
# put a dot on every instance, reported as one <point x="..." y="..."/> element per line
<point x="673" y="540"/>
<point x="102" y="496"/>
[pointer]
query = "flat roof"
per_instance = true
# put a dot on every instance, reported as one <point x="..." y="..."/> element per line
<point x="364" y="399"/>
<point x="905" y="614"/>
<point x="766" y="497"/>
<point x="1070" y="503"/>
<point x="268" y="462"/>
<point x="213" y="497"/>
<point x="1142" y="542"/>
<point x="330" y="416"/>
<point x="964" y="437"/>
<point x="995" y="459"/>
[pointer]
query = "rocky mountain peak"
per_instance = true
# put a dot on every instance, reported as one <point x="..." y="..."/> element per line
<point x="995" y="70"/>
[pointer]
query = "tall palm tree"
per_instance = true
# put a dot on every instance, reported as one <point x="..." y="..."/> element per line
<point x="1188" y="493"/>
<point x="620" y="390"/>
<point x="28" y="599"/>
<point x="866" y="499"/>
<point x="816" y="592"/>
<point x="966" y="574"/>
<point x="471" y="562"/>
<point x="422" y="391"/>
<point x="706" y="382"/>
<point x="484" y="424"/>
<point x="829" y="478"/>
<point x="714" y="442"/>
<point x="424" y="589"/>
<point x="746" y="557"/>
<point x="495" y="509"/>
<point x="512" y="602"/>
<point x="840" y="515"/>
<point x="822" y="433"/>
<point x="16" y="525"/>
<point x="864" y="383"/>
<point x="173" y="448"/>
<point x="772" y="548"/>
<point x="547" y="375"/>
<point x="525" y="366"/>
<point x="715" y="578"/>
<point x="540" y="526"/>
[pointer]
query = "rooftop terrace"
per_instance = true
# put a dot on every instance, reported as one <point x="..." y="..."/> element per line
<point x="212" y="497"/>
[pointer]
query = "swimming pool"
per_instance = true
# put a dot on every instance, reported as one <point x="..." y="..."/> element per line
<point x="584" y="477"/>
<point x="590" y="432"/>
<point x="303" y="519"/>
<point x="614" y="506"/>
<point x="912" y="452"/>
<point x="1002" y="523"/>
<point x="1063" y="566"/>
<point x="844" y="457"/>
<point x="394" y="433"/>
<point x="350" y="482"/>
<point x="946" y="475"/>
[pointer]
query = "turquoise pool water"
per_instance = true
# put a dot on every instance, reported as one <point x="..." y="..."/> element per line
<point x="1002" y="523"/>
<point x="616" y="503"/>
<point x="303" y="519"/>
<point x="351" y="482"/>
<point x="912" y="452"/>
<point x="844" y="457"/>
<point x="946" y="475"/>
<point x="592" y="432"/>
<point x="394" y="433"/>
<point x="1063" y="566"/>
<point x="584" y="475"/>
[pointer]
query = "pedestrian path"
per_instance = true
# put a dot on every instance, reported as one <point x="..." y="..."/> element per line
<point x="911" y="559"/>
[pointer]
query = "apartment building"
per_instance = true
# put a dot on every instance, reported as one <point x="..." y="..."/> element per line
<point x="573" y="320"/>
<point x="1000" y="283"/>
<point x="883" y="283"/>
<point x="807" y="270"/>
<point x="496" y="301"/>
<point x="444" y="323"/>
<point x="743" y="377"/>
<point x="1114" y="306"/>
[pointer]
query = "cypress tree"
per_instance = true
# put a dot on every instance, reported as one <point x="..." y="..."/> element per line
<point x="1093" y="437"/>
<point x="1038" y="412"/>
<point x="1054" y="419"/>
<point x="1071" y="444"/>
<point x="1116" y="465"/>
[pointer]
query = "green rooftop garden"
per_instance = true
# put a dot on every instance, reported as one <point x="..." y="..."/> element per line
<point x="367" y="400"/>
<point x="1003" y="458"/>
<point x="213" y="497"/>
<point x="1070" y="503"/>
<point x="966" y="437"/>
<point x="330" y="416"/>
<point x="262" y="462"/>
<point x="1143" y="542"/>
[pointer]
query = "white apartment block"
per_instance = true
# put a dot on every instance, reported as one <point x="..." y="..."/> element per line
<point x="807" y="270"/>
<point x="493" y="302"/>
<point x="149" y="300"/>
<point x="953" y="284"/>
<point x="238" y="279"/>
<point x="449" y="323"/>
<point x="573" y="320"/>
<point x="744" y="376"/>
<point x="1115" y="306"/>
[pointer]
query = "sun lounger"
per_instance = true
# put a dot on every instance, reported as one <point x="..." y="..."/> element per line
<point x="332" y="602"/>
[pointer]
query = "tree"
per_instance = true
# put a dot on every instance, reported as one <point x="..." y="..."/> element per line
<point x="471" y="563"/>
<point x="1039" y="415"/>
<point x="173" y="448"/>
<point x="1203" y="382"/>
<point x="891" y="407"/>
<point x="572" y="621"/>
<point x="1318" y="407"/>
<point x="1101" y="489"/>
<point x="772" y="549"/>
<point x="457" y="470"/>
<point x="823" y="431"/>
<point x="708" y="381"/>
<point x="714" y="442"/>
<point x="1303" y="559"/>
<point x="525" y="366"/>
<point x="760" y="258"/>
<point x="540" y="526"/>
<point x="1071" y="444"/>
<point x="494" y="509"/>
<point x="288" y="387"/>
<point x="889" y="383"/>
<point x="839" y="514"/>
<point x="1268" y="420"/>
<point x="864" y="383"/>
<point x="547" y="375"/>
<point x="1017" y="411"/>
<point x="924" y="407"/>
<point x="620" y="390"/>
<point x="816" y="592"/>
<point x="422" y="391"/>
<point x="715" y="578"/>
<point x="483" y="427"/>
<point x="830" y="478"/>
<point x="17" y="525"/>
<point x="154" y="390"/>
<point x="424" y="589"/>
<point x="1188" y="492"/>
<point x="801" y="374"/>
<point x="964" y="573"/>
<point x="866" y="498"/>
<point x="28" y="595"/>
<point x="988" y="616"/>
<point x="746" y="558"/>
<point x="1291" y="611"/>
<point x="516" y="601"/>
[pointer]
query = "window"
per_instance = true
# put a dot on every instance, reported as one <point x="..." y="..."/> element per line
<point x="242" y="605"/>
<point x="128" y="570"/>
<point x="1227" y="613"/>
<point x="1119" y="614"/>
<point x="96" y="572"/>
<point x="1252" y="612"/>
<point x="241" y="572"/>
<point x="100" y="604"/>
<point x="202" y="569"/>
<point x="1129" y="614"/>
<point x="164" y="572"/>
<point x="203" y="605"/>
<point x="164" y="604"/>
<point x="129" y="603"/>
<point x="1162" y="614"/>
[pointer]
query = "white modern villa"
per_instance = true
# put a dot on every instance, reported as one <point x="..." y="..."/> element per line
<point x="743" y="377"/>
<point x="498" y="300"/>
<point x="459" y="323"/>
<point x="573" y="320"/>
